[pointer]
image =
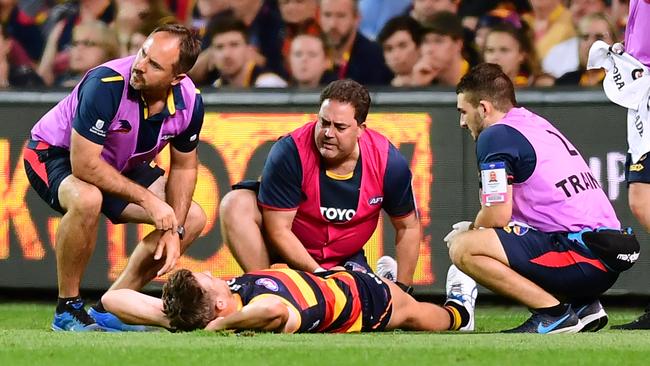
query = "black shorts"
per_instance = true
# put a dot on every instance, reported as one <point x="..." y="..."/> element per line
<point x="639" y="172"/>
<point x="376" y="301"/>
<point x="561" y="266"/>
<point x="47" y="166"/>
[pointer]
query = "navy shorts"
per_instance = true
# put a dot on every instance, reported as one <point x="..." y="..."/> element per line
<point x="562" y="267"/>
<point x="47" y="166"/>
<point x="639" y="172"/>
<point x="376" y="301"/>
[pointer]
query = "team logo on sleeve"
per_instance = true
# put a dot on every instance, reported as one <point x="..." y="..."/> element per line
<point x="268" y="283"/>
<point x="97" y="128"/>
<point x="376" y="200"/>
<point x="519" y="230"/>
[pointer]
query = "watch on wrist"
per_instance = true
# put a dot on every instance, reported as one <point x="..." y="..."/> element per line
<point x="406" y="288"/>
<point x="180" y="230"/>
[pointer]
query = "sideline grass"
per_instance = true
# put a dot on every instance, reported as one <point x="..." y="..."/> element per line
<point x="26" y="340"/>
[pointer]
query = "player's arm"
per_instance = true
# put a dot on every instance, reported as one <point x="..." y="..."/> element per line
<point x="134" y="307"/>
<point x="399" y="203"/>
<point x="280" y="195"/>
<point x="266" y="314"/>
<point x="99" y="100"/>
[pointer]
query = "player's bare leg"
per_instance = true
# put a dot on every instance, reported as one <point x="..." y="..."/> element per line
<point x="241" y="229"/>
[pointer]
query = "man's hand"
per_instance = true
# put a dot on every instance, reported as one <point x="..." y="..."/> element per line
<point x="170" y="244"/>
<point x="215" y="324"/>
<point x="161" y="213"/>
<point x="457" y="228"/>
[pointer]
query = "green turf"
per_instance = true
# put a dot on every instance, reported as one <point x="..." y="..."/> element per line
<point x="26" y="340"/>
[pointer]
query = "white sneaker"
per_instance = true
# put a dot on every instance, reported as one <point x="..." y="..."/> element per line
<point x="387" y="268"/>
<point x="462" y="290"/>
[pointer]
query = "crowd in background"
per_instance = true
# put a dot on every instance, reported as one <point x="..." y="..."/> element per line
<point x="307" y="43"/>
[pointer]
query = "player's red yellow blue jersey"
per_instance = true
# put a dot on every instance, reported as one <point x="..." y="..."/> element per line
<point x="334" y="302"/>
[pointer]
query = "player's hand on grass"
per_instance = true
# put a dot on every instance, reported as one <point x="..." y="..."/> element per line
<point x="161" y="213"/>
<point x="215" y="324"/>
<point x="457" y="228"/>
<point x="170" y="244"/>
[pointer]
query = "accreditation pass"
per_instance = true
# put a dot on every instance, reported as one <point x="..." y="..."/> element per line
<point x="494" y="182"/>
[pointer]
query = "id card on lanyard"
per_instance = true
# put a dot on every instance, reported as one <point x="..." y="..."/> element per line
<point x="494" y="181"/>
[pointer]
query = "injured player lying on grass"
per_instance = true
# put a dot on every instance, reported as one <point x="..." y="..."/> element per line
<point x="291" y="301"/>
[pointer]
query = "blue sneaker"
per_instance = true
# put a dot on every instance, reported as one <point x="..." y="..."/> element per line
<point x="74" y="319"/>
<point x="111" y="323"/>
<point x="546" y="324"/>
<point x="592" y="316"/>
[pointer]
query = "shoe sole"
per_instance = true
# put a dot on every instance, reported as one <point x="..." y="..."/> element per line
<point x="595" y="322"/>
<point x="573" y="329"/>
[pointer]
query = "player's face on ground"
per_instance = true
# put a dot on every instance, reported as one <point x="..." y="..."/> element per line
<point x="338" y="19"/>
<point x="337" y="131"/>
<point x="297" y="11"/>
<point x="590" y="32"/>
<point x="502" y="49"/>
<point x="153" y="67"/>
<point x="307" y="59"/>
<point x="440" y="50"/>
<point x="470" y="117"/>
<point x="229" y="53"/>
<point x="401" y="52"/>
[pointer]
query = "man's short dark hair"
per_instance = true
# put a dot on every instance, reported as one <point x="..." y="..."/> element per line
<point x="189" y="46"/>
<point x="349" y="91"/>
<point x="446" y="24"/>
<point x="487" y="81"/>
<point x="401" y="23"/>
<point x="228" y="23"/>
<point x="185" y="303"/>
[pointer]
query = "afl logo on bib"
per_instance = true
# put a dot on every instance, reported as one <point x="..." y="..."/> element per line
<point x="268" y="283"/>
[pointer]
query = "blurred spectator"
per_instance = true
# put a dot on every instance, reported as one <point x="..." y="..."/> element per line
<point x="591" y="28"/>
<point x="442" y="60"/>
<point x="308" y="61"/>
<point x="140" y="35"/>
<point x="424" y="10"/>
<point x="16" y="68"/>
<point x="262" y="17"/>
<point x="299" y="17"/>
<point x="131" y="15"/>
<point x="375" y="14"/>
<point x="492" y="18"/>
<point x="512" y="49"/>
<point x="204" y="13"/>
<point x="71" y="13"/>
<point x="22" y="28"/>
<point x="551" y="24"/>
<point x="234" y="59"/>
<point x="353" y="55"/>
<point x="581" y="8"/>
<point x="471" y="11"/>
<point x="93" y="43"/>
<point x="181" y="10"/>
<point x="400" y="39"/>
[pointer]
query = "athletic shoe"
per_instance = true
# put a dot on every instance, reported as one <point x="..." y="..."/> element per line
<point x="74" y="319"/>
<point x="642" y="322"/>
<point x="111" y="323"/>
<point x="387" y="268"/>
<point x="547" y="324"/>
<point x="462" y="290"/>
<point x="592" y="316"/>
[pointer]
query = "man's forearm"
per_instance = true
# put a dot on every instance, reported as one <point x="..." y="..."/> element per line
<point x="179" y="191"/>
<point x="255" y="317"/>
<point x="407" y="250"/>
<point x="105" y="177"/>
<point x="292" y="250"/>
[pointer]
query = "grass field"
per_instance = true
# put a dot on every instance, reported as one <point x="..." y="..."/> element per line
<point x="25" y="339"/>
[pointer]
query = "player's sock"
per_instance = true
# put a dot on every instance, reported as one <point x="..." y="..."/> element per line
<point x="64" y="303"/>
<point x="99" y="306"/>
<point x="557" y="310"/>
<point x="457" y="314"/>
